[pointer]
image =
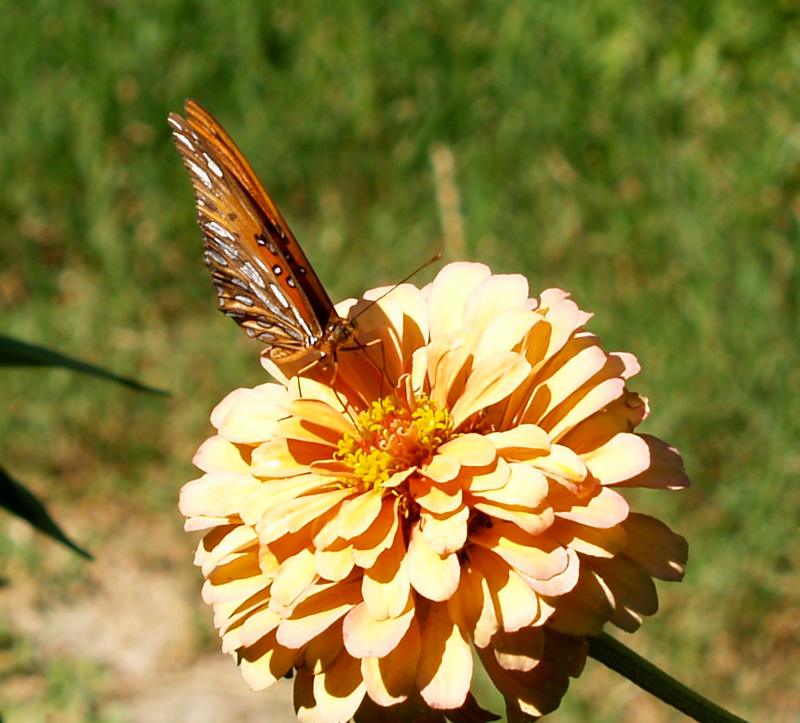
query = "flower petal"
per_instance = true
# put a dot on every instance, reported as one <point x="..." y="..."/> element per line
<point x="265" y="662"/>
<point x="539" y="557"/>
<point x="217" y="454"/>
<point x="317" y="611"/>
<point x="385" y="586"/>
<point x="247" y="416"/>
<point x="655" y="547"/>
<point x="335" y="695"/>
<point x="471" y="450"/>
<point x="431" y="575"/>
<point x="445" y="665"/>
<point x="606" y="508"/>
<point x="366" y="637"/>
<point x="666" y="469"/>
<point x="448" y="293"/>
<point x="491" y="380"/>
<point x="622" y="457"/>
<point x="390" y="679"/>
<point x="445" y="533"/>
<point x="358" y="513"/>
<point x="516" y="605"/>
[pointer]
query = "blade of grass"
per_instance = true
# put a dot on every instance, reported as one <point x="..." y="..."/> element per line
<point x="19" y="353"/>
<point x="17" y="499"/>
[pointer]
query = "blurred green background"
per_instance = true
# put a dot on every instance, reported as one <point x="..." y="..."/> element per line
<point x="644" y="156"/>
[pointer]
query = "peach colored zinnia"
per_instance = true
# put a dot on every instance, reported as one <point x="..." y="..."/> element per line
<point x="459" y="488"/>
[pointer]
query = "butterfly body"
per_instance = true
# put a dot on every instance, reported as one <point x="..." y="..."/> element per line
<point x="263" y="279"/>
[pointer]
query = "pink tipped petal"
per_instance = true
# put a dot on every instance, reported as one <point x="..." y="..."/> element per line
<point x="630" y="364"/>
<point x="445" y="362"/>
<point x="526" y="487"/>
<point x="235" y="580"/>
<point x="257" y="625"/>
<point x="212" y="552"/>
<point x="584" y="609"/>
<point x="445" y="664"/>
<point x="431" y="575"/>
<point x="576" y="371"/>
<point x="521" y="650"/>
<point x="305" y="431"/>
<point x="379" y="537"/>
<point x="260" y="502"/>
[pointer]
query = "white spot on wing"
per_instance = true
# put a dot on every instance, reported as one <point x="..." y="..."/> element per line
<point x="217" y="258"/>
<point x="220" y="230"/>
<point x="302" y="322"/>
<point x="275" y="289"/>
<point x="215" y="169"/>
<point x="183" y="139"/>
<point x="200" y="173"/>
<point x="250" y="272"/>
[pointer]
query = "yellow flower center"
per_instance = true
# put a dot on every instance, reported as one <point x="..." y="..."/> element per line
<point x="392" y="438"/>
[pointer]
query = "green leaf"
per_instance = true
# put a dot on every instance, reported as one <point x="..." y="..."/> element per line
<point x="18" y="353"/>
<point x="18" y="500"/>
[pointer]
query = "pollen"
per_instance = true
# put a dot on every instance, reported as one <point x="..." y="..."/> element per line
<point x="392" y="437"/>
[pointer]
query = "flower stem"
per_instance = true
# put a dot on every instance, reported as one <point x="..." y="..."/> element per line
<point x="647" y="676"/>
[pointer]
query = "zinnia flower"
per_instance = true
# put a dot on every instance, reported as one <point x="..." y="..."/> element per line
<point x="456" y="486"/>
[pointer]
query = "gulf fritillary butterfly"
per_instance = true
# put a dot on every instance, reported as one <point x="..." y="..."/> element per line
<point x="263" y="278"/>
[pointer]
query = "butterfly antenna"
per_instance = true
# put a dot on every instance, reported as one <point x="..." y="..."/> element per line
<point x="372" y="303"/>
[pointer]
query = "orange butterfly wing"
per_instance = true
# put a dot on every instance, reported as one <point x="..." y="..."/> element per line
<point x="263" y="278"/>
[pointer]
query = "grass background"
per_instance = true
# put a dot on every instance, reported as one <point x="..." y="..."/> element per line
<point x="643" y="155"/>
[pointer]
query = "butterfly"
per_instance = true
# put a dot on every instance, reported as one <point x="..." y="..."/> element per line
<point x="263" y="278"/>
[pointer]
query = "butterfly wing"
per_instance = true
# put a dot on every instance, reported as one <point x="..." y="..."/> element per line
<point x="263" y="278"/>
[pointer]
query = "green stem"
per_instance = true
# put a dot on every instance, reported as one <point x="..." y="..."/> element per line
<point x="647" y="676"/>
